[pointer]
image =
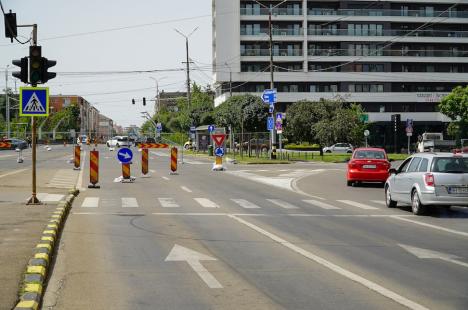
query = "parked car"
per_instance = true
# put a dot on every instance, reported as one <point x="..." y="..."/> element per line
<point x="339" y="148"/>
<point x="255" y="144"/>
<point x="429" y="179"/>
<point x="368" y="165"/>
<point x="16" y="143"/>
<point x="118" y="141"/>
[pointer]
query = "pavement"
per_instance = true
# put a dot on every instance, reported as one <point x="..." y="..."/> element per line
<point x="252" y="237"/>
<point x="21" y="226"/>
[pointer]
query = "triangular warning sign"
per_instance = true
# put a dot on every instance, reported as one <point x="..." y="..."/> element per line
<point x="34" y="105"/>
<point x="219" y="139"/>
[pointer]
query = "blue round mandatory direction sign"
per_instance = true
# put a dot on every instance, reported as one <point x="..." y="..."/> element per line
<point x="125" y="155"/>
<point x="219" y="151"/>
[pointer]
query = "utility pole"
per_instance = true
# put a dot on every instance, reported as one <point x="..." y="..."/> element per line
<point x="7" y="103"/>
<point x="230" y="78"/>
<point x="189" y="98"/>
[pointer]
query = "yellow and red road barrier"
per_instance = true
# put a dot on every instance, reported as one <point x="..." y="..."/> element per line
<point x="77" y="160"/>
<point x="126" y="172"/>
<point x="153" y="146"/>
<point x="93" y="169"/>
<point x="144" y="161"/>
<point x="174" y="160"/>
<point x="5" y="145"/>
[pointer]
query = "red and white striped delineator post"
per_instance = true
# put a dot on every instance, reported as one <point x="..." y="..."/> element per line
<point x="77" y="158"/>
<point x="94" y="169"/>
<point x="174" y="161"/>
<point x="144" y="163"/>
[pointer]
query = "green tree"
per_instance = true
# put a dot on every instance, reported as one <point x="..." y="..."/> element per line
<point x="301" y="117"/>
<point x="455" y="106"/>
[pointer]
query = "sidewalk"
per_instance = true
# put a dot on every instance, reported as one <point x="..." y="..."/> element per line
<point x="21" y="227"/>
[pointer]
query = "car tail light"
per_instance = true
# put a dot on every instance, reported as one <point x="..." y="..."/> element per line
<point x="429" y="179"/>
<point x="352" y="165"/>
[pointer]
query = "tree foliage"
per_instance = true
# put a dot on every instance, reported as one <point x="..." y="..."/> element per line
<point x="455" y="106"/>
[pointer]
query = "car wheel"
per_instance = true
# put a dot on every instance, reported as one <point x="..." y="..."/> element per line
<point x="388" y="199"/>
<point x="117" y="145"/>
<point x="349" y="183"/>
<point x="349" y="152"/>
<point x="355" y="184"/>
<point x="417" y="207"/>
<point x="328" y="152"/>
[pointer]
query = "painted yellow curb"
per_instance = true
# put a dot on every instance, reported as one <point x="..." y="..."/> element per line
<point x="42" y="256"/>
<point x="28" y="304"/>
<point x="52" y="232"/>
<point x="33" y="288"/>
<point x="36" y="270"/>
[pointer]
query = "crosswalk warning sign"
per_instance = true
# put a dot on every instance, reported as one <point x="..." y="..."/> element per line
<point x="34" y="101"/>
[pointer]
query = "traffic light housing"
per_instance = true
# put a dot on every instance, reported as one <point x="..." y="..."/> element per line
<point x="11" y="29"/>
<point x="45" y="75"/>
<point x="144" y="101"/>
<point x="23" y="74"/>
<point x="396" y="120"/>
<point x="133" y="101"/>
<point x="35" y="65"/>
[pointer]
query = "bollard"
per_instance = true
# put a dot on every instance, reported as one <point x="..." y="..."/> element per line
<point x="94" y="169"/>
<point x="174" y="160"/>
<point x="126" y="177"/>
<point x="273" y="152"/>
<point x="77" y="158"/>
<point x="20" y="158"/>
<point x="144" y="162"/>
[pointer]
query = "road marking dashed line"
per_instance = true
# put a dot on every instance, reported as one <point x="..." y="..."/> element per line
<point x="245" y="204"/>
<point x="186" y="189"/>
<point x="129" y="202"/>
<point x="282" y="204"/>
<point x="168" y="203"/>
<point x="90" y="202"/>
<point x="321" y="204"/>
<point x="206" y="203"/>
<point x="358" y="205"/>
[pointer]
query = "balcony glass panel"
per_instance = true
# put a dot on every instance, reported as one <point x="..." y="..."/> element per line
<point x="404" y="11"/>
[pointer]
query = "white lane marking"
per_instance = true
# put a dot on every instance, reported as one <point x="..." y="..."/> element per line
<point x="11" y="173"/>
<point x="44" y="197"/>
<point x="90" y="202"/>
<point x="186" y="189"/>
<point x="79" y="183"/>
<point x="165" y="178"/>
<point x="429" y="254"/>
<point x="129" y="202"/>
<point x="152" y="171"/>
<point x="245" y="204"/>
<point x="206" y="203"/>
<point x="282" y="204"/>
<point x="168" y="203"/>
<point x="357" y="205"/>
<point x="380" y="202"/>
<point x="193" y="258"/>
<point x="335" y="268"/>
<point x="452" y="231"/>
<point x="322" y="205"/>
<point x="5" y="156"/>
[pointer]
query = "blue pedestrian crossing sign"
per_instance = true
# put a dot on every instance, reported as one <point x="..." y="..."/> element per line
<point x="34" y="101"/>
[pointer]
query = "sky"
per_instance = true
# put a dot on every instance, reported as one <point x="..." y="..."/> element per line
<point x="74" y="34"/>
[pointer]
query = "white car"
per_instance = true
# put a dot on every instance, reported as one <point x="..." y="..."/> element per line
<point x="118" y="141"/>
<point x="339" y="148"/>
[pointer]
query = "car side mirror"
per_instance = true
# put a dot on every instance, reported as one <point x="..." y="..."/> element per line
<point x="392" y="171"/>
<point x="391" y="160"/>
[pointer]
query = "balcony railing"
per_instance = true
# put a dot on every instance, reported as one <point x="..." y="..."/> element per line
<point x="401" y="13"/>
<point x="276" y="11"/>
<point x="370" y="53"/>
<point x="374" y="32"/>
<point x="276" y="32"/>
<point x="276" y="52"/>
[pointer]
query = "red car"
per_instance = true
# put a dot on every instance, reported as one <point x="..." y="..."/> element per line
<point x="368" y="165"/>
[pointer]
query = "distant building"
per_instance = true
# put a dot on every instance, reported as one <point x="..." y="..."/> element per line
<point x="105" y="128"/>
<point x="168" y="100"/>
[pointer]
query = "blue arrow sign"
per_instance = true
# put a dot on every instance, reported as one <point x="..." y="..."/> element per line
<point x="34" y="101"/>
<point x="270" y="123"/>
<point x="269" y="96"/>
<point x="219" y="151"/>
<point x="125" y="155"/>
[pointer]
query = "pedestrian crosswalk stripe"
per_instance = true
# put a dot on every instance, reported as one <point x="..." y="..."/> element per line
<point x="322" y="205"/>
<point x="245" y="204"/>
<point x="90" y="202"/>
<point x="206" y="203"/>
<point x="129" y="202"/>
<point x="380" y="202"/>
<point x="282" y="204"/>
<point x="168" y="203"/>
<point x="186" y="189"/>
<point x="44" y="197"/>
<point x="357" y="204"/>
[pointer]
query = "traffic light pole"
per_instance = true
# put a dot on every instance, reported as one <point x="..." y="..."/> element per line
<point x="7" y="102"/>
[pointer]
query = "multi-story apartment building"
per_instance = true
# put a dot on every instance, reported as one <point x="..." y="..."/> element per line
<point x="399" y="56"/>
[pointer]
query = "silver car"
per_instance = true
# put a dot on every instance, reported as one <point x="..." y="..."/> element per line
<point x="339" y="148"/>
<point x="429" y="179"/>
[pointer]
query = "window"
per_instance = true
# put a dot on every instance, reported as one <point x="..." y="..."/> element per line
<point x="404" y="165"/>
<point x="450" y="165"/>
<point x="414" y="164"/>
<point x="423" y="165"/>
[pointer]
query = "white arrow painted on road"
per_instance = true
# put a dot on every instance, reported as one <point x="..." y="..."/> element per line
<point x="428" y="254"/>
<point x="193" y="258"/>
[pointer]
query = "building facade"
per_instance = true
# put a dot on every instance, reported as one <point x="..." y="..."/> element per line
<point x="392" y="57"/>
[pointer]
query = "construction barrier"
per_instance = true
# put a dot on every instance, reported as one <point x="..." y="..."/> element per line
<point x="77" y="160"/>
<point x="144" y="161"/>
<point x="174" y="160"/>
<point x="153" y="146"/>
<point x="5" y="145"/>
<point x="93" y="169"/>
<point x="126" y="177"/>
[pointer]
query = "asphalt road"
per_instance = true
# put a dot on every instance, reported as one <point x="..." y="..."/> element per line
<point x="253" y="237"/>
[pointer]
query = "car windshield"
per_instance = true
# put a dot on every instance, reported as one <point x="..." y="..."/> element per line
<point x="450" y="165"/>
<point x="367" y="154"/>
<point x="122" y="139"/>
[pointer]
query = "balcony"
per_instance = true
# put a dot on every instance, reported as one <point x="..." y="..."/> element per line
<point x="403" y="53"/>
<point x="399" y="13"/>
<point x="276" y="32"/>
<point x="276" y="11"/>
<point x="276" y="52"/>
<point x="375" y="32"/>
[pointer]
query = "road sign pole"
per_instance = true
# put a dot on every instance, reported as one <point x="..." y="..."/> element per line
<point x="409" y="142"/>
<point x="33" y="200"/>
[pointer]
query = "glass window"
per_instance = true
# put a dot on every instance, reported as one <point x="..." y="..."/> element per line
<point x="313" y="88"/>
<point x="414" y="164"/>
<point x="334" y="88"/>
<point x="365" y="30"/>
<point x="351" y="29"/>
<point x="379" y="30"/>
<point x="358" y="30"/>
<point x="352" y="88"/>
<point x="450" y="165"/>
<point x="404" y="165"/>
<point x="369" y="155"/>
<point x="423" y="165"/>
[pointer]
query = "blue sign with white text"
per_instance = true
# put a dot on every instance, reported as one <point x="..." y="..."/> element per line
<point x="270" y="123"/>
<point x="269" y="96"/>
<point x="125" y="155"/>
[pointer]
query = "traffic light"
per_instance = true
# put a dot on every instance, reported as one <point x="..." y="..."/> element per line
<point x="35" y="65"/>
<point x="23" y="74"/>
<point x="46" y="64"/>
<point x="144" y="101"/>
<point x="133" y="101"/>
<point x="11" y="29"/>
<point x="396" y="119"/>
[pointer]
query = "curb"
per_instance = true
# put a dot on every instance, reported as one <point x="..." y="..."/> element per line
<point x="34" y="279"/>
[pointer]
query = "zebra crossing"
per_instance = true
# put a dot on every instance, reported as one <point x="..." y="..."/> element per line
<point x="271" y="203"/>
<point x="63" y="178"/>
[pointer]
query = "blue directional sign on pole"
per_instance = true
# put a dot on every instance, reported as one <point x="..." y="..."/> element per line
<point x="270" y="123"/>
<point x="34" y="101"/>
<point x="269" y="96"/>
<point x="158" y="127"/>
<point x="125" y="155"/>
<point x="193" y="129"/>
<point x="272" y="108"/>
<point x="219" y="151"/>
<point x="211" y="128"/>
